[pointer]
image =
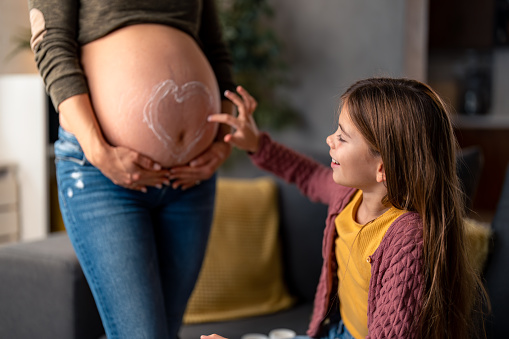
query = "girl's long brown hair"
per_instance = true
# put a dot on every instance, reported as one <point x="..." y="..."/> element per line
<point x="407" y="124"/>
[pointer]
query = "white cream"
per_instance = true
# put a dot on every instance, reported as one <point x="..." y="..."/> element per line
<point x="169" y="89"/>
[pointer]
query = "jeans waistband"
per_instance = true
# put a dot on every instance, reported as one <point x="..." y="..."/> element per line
<point x="67" y="136"/>
<point x="67" y="147"/>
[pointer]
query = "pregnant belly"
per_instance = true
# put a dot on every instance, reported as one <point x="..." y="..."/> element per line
<point x="152" y="89"/>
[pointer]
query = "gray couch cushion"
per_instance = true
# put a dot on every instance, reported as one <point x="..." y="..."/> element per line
<point x="43" y="292"/>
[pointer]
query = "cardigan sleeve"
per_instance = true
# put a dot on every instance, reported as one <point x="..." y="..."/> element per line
<point x="54" y="25"/>
<point x="313" y="179"/>
<point x="396" y="290"/>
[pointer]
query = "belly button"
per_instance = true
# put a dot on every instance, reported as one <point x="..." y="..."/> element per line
<point x="181" y="137"/>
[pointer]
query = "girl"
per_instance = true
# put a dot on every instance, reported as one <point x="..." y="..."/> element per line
<point x="394" y="257"/>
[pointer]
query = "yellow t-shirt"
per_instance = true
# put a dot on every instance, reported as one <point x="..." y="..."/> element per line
<point x="354" y="246"/>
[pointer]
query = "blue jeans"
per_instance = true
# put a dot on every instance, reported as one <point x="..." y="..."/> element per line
<point x="336" y="331"/>
<point x="140" y="252"/>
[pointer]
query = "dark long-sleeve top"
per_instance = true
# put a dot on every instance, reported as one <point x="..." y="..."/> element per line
<point x="61" y="27"/>
<point x="397" y="283"/>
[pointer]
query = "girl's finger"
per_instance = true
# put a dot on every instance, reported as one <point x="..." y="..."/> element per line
<point x="238" y="102"/>
<point x="233" y="97"/>
<point x="224" y="119"/>
<point x="249" y="101"/>
<point x="245" y="99"/>
<point x="228" y="138"/>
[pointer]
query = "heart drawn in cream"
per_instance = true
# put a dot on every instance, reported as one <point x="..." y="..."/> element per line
<point x="180" y="94"/>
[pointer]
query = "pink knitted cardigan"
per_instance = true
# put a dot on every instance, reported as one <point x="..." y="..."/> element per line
<point x="396" y="286"/>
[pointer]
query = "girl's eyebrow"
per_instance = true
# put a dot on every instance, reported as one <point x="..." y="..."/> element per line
<point x="342" y="130"/>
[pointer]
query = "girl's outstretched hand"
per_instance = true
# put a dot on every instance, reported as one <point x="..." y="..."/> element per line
<point x="212" y="336"/>
<point x="245" y="135"/>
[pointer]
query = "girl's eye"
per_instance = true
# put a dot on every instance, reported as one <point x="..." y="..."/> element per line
<point x="340" y="138"/>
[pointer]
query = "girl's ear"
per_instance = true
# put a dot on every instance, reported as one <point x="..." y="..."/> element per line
<point x="380" y="172"/>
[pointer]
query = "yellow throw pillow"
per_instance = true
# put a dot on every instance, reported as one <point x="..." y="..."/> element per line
<point x="242" y="274"/>
<point x="478" y="238"/>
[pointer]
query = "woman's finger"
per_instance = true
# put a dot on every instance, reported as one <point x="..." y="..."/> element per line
<point x="138" y="188"/>
<point x="149" y="178"/>
<point x="185" y="184"/>
<point x="146" y="162"/>
<point x="183" y="172"/>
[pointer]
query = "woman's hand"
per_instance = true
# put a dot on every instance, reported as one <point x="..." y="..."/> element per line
<point x="121" y="165"/>
<point x="200" y="168"/>
<point x="130" y="169"/>
<point x="246" y="134"/>
<point x="212" y="336"/>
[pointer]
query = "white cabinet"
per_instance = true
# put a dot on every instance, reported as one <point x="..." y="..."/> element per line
<point x="9" y="220"/>
<point x="24" y="142"/>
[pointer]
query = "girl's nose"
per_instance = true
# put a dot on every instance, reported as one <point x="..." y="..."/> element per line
<point x="329" y="141"/>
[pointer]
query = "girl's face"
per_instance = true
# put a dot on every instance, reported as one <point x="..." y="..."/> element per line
<point x="353" y="164"/>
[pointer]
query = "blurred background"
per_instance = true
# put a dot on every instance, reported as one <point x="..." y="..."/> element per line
<point x="297" y="57"/>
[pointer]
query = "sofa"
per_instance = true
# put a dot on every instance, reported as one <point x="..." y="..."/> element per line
<point x="43" y="293"/>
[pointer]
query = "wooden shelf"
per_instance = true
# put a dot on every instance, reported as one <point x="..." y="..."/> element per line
<point x="481" y="122"/>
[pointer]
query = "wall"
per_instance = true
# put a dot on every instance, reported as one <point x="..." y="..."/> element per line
<point x="14" y="22"/>
<point x="331" y="43"/>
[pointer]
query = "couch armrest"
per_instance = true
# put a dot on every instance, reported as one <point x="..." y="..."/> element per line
<point x="43" y="292"/>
